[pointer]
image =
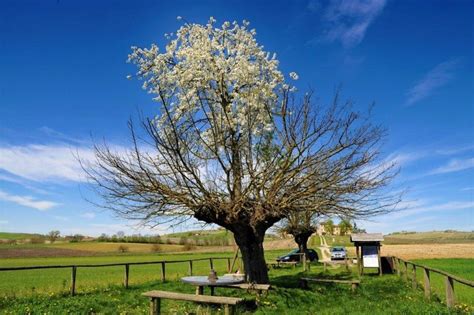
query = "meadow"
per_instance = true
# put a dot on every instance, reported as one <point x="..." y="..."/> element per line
<point x="377" y="295"/>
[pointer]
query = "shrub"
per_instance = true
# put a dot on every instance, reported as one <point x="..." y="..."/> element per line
<point x="188" y="247"/>
<point x="123" y="248"/>
<point x="37" y="240"/>
<point x="156" y="248"/>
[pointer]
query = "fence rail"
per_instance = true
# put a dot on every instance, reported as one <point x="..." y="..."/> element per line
<point x="126" y="268"/>
<point x="449" y="278"/>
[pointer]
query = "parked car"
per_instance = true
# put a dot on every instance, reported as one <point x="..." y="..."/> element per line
<point x="338" y="252"/>
<point x="295" y="255"/>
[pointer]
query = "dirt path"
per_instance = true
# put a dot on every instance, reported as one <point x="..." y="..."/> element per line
<point x="324" y="248"/>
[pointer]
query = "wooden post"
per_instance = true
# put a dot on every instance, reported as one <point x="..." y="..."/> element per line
<point x="413" y="283"/>
<point x="399" y="266"/>
<point x="190" y="267"/>
<point x="73" y="280"/>
<point x="199" y="290"/>
<point x="304" y="262"/>
<point x="228" y="265"/>
<point x="125" y="278"/>
<point x="449" y="291"/>
<point x="155" y="306"/>
<point x="358" y="260"/>
<point x="380" y="260"/>
<point x="163" y="272"/>
<point x="405" y="275"/>
<point x="346" y="260"/>
<point x="426" y="283"/>
<point x="211" y="263"/>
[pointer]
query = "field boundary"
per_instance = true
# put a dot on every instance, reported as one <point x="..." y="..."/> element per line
<point x="126" y="267"/>
<point x="449" y="278"/>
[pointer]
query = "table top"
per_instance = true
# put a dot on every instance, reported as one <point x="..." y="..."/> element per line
<point x="203" y="280"/>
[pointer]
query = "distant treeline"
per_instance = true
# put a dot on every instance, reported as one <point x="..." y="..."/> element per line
<point x="208" y="240"/>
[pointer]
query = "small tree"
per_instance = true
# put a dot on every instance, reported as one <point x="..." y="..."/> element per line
<point x="229" y="144"/>
<point x="345" y="226"/>
<point x="329" y="227"/>
<point x="53" y="236"/>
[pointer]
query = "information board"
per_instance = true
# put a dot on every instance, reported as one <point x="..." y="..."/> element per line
<point x="370" y="256"/>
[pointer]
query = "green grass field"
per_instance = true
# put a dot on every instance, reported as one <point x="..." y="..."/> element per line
<point x="101" y="292"/>
<point x="16" y="236"/>
<point x="459" y="267"/>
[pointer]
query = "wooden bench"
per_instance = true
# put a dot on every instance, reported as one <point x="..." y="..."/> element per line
<point x="354" y="283"/>
<point x="259" y="288"/>
<point x="156" y="296"/>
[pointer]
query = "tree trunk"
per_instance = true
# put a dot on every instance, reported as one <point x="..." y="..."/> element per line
<point x="250" y="243"/>
<point x="302" y="240"/>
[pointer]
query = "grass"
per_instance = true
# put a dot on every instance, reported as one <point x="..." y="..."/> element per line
<point x="338" y="240"/>
<point x="459" y="267"/>
<point x="446" y="237"/>
<point x="377" y="295"/>
<point x="16" y="236"/>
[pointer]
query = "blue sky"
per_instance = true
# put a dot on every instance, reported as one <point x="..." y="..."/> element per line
<point x="63" y="82"/>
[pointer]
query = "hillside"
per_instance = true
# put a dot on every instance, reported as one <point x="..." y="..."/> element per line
<point x="16" y="236"/>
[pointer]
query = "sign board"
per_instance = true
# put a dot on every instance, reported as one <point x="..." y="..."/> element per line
<point x="370" y="257"/>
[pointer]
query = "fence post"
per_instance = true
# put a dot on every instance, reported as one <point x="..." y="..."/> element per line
<point x="346" y="260"/>
<point x="399" y="266"/>
<point x="449" y="291"/>
<point x="73" y="280"/>
<point x="304" y="262"/>
<point x="163" y="271"/>
<point x="228" y="265"/>
<point x="211" y="263"/>
<point x="125" y="279"/>
<point x="427" y="285"/>
<point x="190" y="267"/>
<point x="405" y="275"/>
<point x="413" y="284"/>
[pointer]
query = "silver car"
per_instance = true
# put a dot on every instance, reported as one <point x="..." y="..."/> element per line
<point x="338" y="252"/>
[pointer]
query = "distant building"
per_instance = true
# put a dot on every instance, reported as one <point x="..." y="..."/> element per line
<point x="321" y="230"/>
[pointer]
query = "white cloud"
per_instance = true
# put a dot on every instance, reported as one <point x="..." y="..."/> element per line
<point x="348" y="21"/>
<point x="421" y="207"/>
<point x="88" y="215"/>
<point x="433" y="80"/>
<point x="454" y="165"/>
<point x="44" y="162"/>
<point x="28" y="201"/>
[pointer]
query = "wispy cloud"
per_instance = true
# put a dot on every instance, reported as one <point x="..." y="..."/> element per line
<point x="454" y="165"/>
<point x="348" y="21"/>
<point x="88" y="215"/>
<point x="28" y="201"/>
<point x="433" y="80"/>
<point x="421" y="207"/>
<point x="37" y="162"/>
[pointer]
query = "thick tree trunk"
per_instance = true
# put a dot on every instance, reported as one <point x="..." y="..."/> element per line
<point x="302" y="240"/>
<point x="250" y="244"/>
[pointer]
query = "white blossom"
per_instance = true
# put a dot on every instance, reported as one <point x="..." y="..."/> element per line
<point x="294" y="76"/>
<point x="222" y="74"/>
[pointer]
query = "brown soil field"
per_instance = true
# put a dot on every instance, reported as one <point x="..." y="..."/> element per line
<point x="42" y="252"/>
<point x="425" y="251"/>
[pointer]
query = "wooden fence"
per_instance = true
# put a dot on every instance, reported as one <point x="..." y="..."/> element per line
<point x="126" y="268"/>
<point x="402" y="268"/>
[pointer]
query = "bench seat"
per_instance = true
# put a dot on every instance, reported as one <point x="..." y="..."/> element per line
<point x="156" y="296"/>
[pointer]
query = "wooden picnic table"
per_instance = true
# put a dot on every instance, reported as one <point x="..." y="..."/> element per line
<point x="202" y="281"/>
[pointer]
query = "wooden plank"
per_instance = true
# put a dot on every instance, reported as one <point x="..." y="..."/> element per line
<point x="199" y="290"/>
<point x="192" y="297"/>
<point x="450" y="300"/>
<point x="125" y="278"/>
<point x="73" y="280"/>
<point x="380" y="260"/>
<point x="405" y="275"/>
<point x="426" y="283"/>
<point x="163" y="272"/>
<point x="190" y="268"/>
